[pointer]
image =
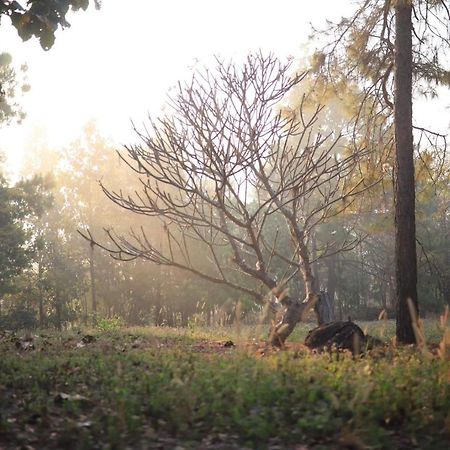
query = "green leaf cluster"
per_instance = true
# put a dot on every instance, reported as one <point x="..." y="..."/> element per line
<point x="41" y="18"/>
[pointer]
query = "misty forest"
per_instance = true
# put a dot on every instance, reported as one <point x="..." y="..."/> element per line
<point x="265" y="263"/>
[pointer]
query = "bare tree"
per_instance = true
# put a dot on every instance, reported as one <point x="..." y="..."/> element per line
<point x="217" y="169"/>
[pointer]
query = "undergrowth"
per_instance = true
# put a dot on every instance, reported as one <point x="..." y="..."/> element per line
<point x="144" y="387"/>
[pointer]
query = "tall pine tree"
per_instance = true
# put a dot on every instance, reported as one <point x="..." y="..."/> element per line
<point x="389" y="48"/>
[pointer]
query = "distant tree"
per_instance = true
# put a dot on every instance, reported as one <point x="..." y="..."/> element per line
<point x="41" y="18"/>
<point x="14" y="256"/>
<point x="12" y="83"/>
<point x="433" y="229"/>
<point x="58" y="270"/>
<point x="52" y="286"/>
<point x="112" y="288"/>
<point x="19" y="206"/>
<point x="219" y="166"/>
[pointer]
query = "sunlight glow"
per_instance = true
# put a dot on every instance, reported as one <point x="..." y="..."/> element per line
<point x="117" y="64"/>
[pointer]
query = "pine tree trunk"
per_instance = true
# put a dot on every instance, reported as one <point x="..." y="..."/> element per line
<point x="405" y="228"/>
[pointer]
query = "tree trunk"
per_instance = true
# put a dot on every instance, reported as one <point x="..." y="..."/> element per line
<point x="85" y="309"/>
<point x="293" y="310"/>
<point x="291" y="315"/>
<point x="93" y="286"/>
<point x="158" y="302"/>
<point x="41" y="312"/>
<point x="325" y="304"/>
<point x="314" y="266"/>
<point x="383" y="295"/>
<point x="331" y="263"/>
<point x="405" y="227"/>
<point x="41" y="298"/>
<point x="324" y="309"/>
<point x="58" y="309"/>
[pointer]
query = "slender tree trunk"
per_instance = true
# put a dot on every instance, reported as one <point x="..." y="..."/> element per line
<point x="85" y="309"/>
<point x="325" y="303"/>
<point x="158" y="302"/>
<point x="331" y="263"/>
<point x="405" y="227"/>
<point x="41" y="297"/>
<point x="383" y="295"/>
<point x="324" y="309"/>
<point x="41" y="312"/>
<point x="58" y="309"/>
<point x="362" y="297"/>
<point x="324" y="306"/>
<point x="93" y="284"/>
<point x="314" y="266"/>
<point x="341" y="309"/>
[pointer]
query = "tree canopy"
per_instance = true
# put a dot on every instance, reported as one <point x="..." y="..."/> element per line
<point x="41" y="18"/>
<point x="12" y="84"/>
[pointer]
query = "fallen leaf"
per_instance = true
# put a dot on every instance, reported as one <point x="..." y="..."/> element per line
<point x="62" y="397"/>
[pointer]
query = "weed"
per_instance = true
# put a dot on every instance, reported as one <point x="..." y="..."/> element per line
<point x="109" y="324"/>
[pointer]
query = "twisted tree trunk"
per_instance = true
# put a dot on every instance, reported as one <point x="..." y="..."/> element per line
<point x="291" y="315"/>
<point x="293" y="310"/>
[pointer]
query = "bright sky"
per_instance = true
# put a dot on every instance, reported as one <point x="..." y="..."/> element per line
<point x="117" y="64"/>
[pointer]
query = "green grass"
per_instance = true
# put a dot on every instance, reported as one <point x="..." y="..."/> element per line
<point x="159" y="388"/>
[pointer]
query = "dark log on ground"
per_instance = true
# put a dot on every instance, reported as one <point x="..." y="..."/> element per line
<point x="339" y="335"/>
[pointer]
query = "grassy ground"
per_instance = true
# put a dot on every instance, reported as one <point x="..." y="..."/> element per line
<point x="164" y="388"/>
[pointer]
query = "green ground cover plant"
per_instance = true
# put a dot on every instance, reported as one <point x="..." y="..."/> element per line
<point x="217" y="388"/>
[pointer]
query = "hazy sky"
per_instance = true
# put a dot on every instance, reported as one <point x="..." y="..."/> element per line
<point x="116" y="64"/>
